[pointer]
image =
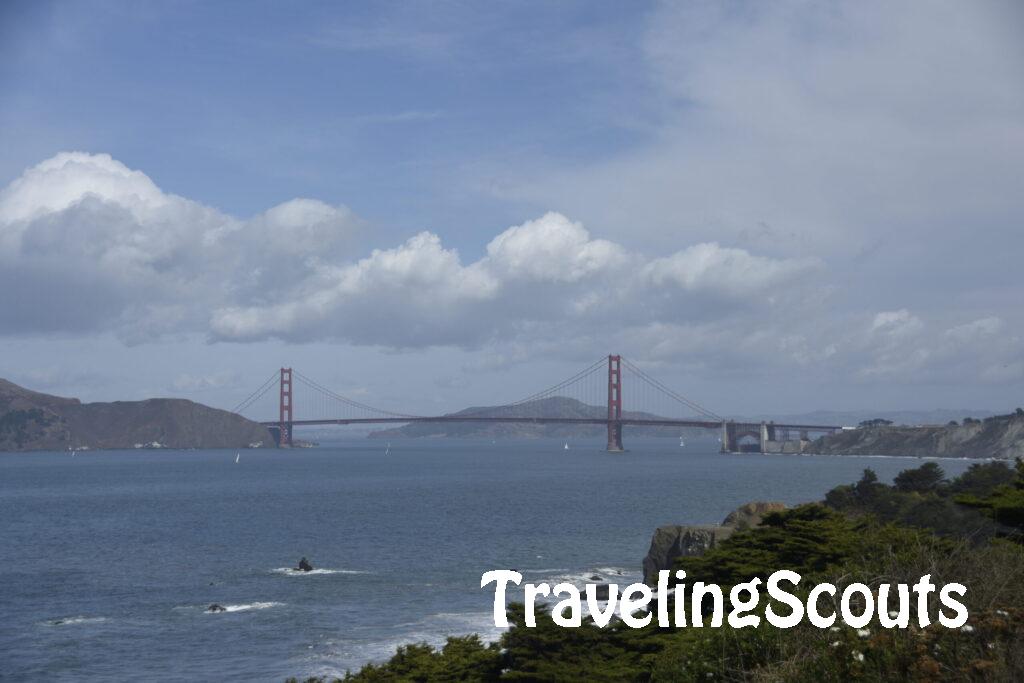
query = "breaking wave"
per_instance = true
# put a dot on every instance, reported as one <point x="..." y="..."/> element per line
<point x="290" y="571"/>
<point x="71" y="621"/>
<point x="248" y="606"/>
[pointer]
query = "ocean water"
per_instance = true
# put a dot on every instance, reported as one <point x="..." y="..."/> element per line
<point x="110" y="559"/>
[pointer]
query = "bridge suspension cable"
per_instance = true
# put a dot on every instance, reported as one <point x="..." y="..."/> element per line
<point x="316" y="386"/>
<point x="256" y="395"/>
<point x="551" y="391"/>
<point x="658" y="386"/>
<point x="558" y="389"/>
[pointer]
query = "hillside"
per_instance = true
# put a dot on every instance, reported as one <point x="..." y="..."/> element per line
<point x="558" y="406"/>
<point x="32" y="421"/>
<point x="1000" y="436"/>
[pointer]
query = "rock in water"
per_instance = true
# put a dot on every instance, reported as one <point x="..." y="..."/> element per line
<point x="751" y="514"/>
<point x="305" y="566"/>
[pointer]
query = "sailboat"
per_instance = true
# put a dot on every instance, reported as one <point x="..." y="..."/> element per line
<point x="237" y="456"/>
<point x="388" y="448"/>
<point x="682" y="444"/>
<point x="566" y="447"/>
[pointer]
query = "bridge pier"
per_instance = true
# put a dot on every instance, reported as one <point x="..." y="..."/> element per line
<point x="728" y="437"/>
<point x="768" y="434"/>
<point x="732" y="432"/>
<point x="615" y="437"/>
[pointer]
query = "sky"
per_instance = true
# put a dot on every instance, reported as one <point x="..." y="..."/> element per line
<point x="771" y="207"/>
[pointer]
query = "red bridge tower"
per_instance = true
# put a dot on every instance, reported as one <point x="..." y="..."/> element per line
<point x="615" y="404"/>
<point x="286" y="408"/>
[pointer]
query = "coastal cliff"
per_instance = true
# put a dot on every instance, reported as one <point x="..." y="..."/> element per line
<point x="31" y="421"/>
<point x="999" y="436"/>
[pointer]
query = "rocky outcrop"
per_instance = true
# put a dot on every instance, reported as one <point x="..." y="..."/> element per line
<point x="34" y="421"/>
<point x="670" y="542"/>
<point x="751" y="514"/>
<point x="680" y="540"/>
<point x="1000" y="436"/>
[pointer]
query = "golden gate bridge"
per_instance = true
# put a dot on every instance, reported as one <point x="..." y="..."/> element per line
<point x="595" y="395"/>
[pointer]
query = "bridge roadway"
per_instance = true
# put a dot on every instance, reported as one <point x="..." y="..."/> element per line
<point x="706" y="424"/>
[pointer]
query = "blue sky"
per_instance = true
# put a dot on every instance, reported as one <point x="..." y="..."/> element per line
<point x="796" y="205"/>
<point x="394" y="104"/>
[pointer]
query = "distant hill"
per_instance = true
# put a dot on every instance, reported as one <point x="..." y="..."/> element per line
<point x="558" y="406"/>
<point x="33" y="421"/>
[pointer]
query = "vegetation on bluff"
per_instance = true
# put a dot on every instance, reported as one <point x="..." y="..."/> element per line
<point x="968" y="530"/>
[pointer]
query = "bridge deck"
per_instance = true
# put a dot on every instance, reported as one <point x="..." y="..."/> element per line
<point x="706" y="424"/>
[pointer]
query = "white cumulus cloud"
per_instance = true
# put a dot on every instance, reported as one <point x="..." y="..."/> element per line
<point x="88" y="246"/>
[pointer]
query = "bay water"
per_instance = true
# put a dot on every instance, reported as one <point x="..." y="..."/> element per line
<point x="109" y="560"/>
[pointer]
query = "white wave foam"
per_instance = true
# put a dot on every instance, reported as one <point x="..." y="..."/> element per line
<point x="290" y="571"/>
<point x="616" y="571"/>
<point x="619" y="575"/>
<point x="244" y="607"/>
<point x="481" y="621"/>
<point x="71" y="621"/>
<point x="332" y="658"/>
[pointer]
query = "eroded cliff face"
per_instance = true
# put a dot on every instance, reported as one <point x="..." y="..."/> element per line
<point x="1001" y="436"/>
<point x="34" y="421"/>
